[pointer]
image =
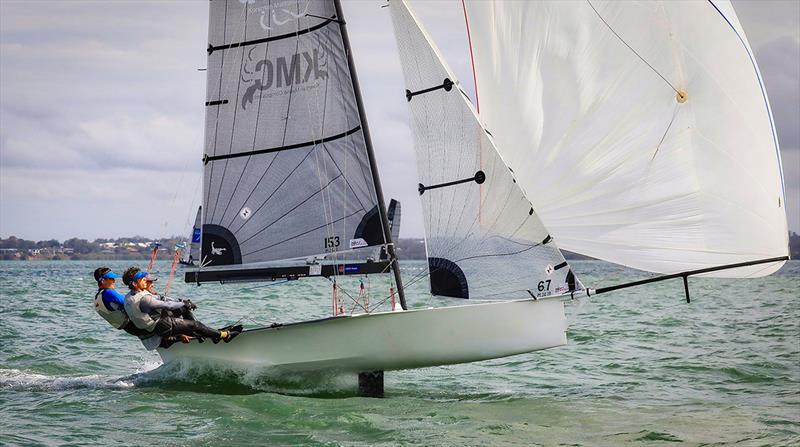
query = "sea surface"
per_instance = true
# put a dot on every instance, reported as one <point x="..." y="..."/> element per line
<point x="642" y="367"/>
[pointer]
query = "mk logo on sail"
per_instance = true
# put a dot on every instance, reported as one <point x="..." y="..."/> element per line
<point x="283" y="72"/>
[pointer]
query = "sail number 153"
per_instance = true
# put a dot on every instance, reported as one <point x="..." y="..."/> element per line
<point x="332" y="242"/>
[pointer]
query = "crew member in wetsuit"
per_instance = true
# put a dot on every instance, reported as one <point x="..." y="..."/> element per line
<point x="110" y="304"/>
<point x="152" y="313"/>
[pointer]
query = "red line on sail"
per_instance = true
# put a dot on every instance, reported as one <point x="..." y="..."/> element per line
<point x="471" y="57"/>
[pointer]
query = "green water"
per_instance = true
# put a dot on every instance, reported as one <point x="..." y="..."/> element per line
<point x="642" y="367"/>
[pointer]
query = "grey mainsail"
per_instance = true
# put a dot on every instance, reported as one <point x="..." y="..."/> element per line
<point x="287" y="173"/>
<point x="484" y="239"/>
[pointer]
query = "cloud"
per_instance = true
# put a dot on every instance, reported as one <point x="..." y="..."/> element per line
<point x="103" y="99"/>
<point x="49" y="140"/>
<point x="768" y="20"/>
<point x="95" y="203"/>
<point x="779" y="61"/>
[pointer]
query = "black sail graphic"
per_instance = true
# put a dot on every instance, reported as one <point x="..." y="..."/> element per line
<point x="286" y="171"/>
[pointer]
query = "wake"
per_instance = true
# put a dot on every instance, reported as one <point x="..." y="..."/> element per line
<point x="19" y="380"/>
<point x="189" y="377"/>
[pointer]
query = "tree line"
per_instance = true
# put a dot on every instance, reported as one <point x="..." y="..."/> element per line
<point x="138" y="247"/>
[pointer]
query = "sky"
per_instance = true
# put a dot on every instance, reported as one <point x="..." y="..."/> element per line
<point x="101" y="106"/>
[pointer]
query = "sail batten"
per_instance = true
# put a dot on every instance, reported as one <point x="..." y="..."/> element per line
<point x="483" y="237"/>
<point x="287" y="170"/>
<point x="207" y="159"/>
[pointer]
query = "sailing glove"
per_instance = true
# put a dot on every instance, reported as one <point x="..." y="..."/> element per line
<point x="189" y="304"/>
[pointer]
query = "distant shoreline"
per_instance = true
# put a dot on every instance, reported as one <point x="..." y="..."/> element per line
<point x="139" y="248"/>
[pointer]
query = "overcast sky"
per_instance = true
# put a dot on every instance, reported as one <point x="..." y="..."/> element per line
<point x="101" y="104"/>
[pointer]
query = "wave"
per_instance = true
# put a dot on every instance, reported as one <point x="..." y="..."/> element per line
<point x="19" y="380"/>
<point x="16" y="380"/>
<point x="211" y="377"/>
<point x="193" y="377"/>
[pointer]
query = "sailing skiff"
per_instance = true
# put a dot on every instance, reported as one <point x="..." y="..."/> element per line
<point x="611" y="127"/>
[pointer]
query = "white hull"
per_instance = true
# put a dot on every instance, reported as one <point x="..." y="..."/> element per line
<point x="391" y="340"/>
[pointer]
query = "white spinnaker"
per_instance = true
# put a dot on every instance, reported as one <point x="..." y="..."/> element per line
<point x="484" y="239"/>
<point x="616" y="167"/>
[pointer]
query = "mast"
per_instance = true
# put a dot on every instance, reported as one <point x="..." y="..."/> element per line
<point x="372" y="165"/>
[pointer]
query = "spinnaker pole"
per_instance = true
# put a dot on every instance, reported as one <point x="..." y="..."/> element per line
<point x="685" y="275"/>
<point x="387" y="235"/>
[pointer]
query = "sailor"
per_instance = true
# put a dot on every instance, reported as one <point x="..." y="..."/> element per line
<point x="153" y="314"/>
<point x="184" y="312"/>
<point x="110" y="304"/>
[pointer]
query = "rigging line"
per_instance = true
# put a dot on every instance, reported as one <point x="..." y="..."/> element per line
<point x="757" y="272"/>
<point x="290" y="210"/>
<point x="471" y="57"/>
<point x="198" y="184"/>
<point x="317" y="163"/>
<point x="294" y="237"/>
<point x="378" y="304"/>
<point x="341" y="289"/>
<point x="497" y="254"/>
<point x="508" y="239"/>
<point x="258" y="115"/>
<point x="331" y="229"/>
<point x="367" y="179"/>
<point x="233" y="124"/>
<point x="355" y="194"/>
<point x="325" y="205"/>
<point x="522" y="223"/>
<point x="634" y="51"/>
<point x="370" y="179"/>
<point x="663" y="137"/>
<point x="361" y="149"/>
